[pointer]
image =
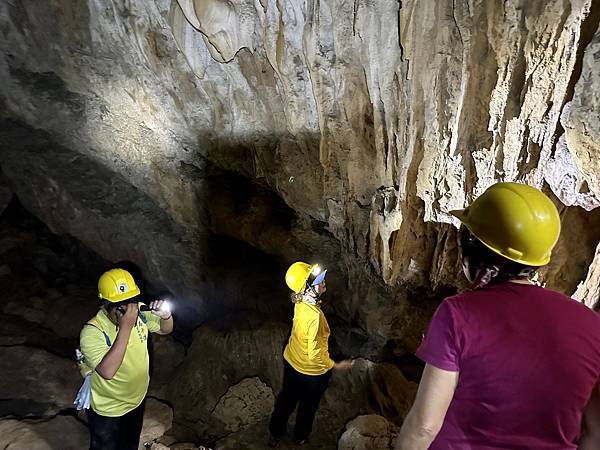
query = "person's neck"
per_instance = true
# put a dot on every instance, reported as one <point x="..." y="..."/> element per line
<point x="109" y="317"/>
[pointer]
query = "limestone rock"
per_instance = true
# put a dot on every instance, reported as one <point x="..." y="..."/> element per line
<point x="567" y="180"/>
<point x="245" y="403"/>
<point x="158" y="419"/>
<point x="72" y="211"/>
<point x="377" y="388"/>
<point x="588" y="291"/>
<point x="167" y="355"/>
<point x="57" y="433"/>
<point x="370" y="432"/>
<point x="36" y="382"/>
<point x="226" y="26"/>
<point x="368" y="121"/>
<point x="49" y="312"/>
<point x="156" y="446"/>
<point x="221" y="354"/>
<point x="580" y="120"/>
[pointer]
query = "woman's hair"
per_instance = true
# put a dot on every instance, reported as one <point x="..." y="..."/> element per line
<point x="308" y="288"/>
<point x="487" y="267"/>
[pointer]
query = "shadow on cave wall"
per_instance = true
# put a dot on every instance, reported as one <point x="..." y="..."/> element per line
<point x="75" y="194"/>
<point x="230" y="261"/>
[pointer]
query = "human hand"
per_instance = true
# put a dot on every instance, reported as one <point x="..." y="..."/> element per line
<point x="161" y="309"/>
<point x="128" y="318"/>
<point x="343" y="365"/>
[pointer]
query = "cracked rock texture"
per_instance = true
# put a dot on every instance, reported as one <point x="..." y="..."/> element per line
<point x="213" y="142"/>
<point x="369" y="433"/>
<point x="357" y="125"/>
<point x="245" y="403"/>
<point x="158" y="419"/>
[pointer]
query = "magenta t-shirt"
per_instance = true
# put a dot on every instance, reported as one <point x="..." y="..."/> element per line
<point x="528" y="360"/>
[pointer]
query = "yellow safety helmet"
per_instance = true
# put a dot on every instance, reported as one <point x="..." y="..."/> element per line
<point x="514" y="220"/>
<point x="298" y="273"/>
<point x="117" y="285"/>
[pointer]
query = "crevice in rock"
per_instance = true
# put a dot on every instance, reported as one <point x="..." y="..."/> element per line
<point x="589" y="27"/>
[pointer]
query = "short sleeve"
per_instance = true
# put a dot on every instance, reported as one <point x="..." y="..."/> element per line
<point x="441" y="348"/>
<point x="93" y="345"/>
<point x="152" y="321"/>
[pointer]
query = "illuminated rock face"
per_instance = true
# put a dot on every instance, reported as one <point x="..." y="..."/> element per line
<point x="206" y="139"/>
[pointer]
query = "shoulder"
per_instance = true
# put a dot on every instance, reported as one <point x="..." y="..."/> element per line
<point x="574" y="306"/>
<point x="91" y="332"/>
<point x="97" y="324"/>
<point x="93" y="323"/>
<point x="307" y="312"/>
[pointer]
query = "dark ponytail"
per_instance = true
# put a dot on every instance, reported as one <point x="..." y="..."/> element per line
<point x="486" y="267"/>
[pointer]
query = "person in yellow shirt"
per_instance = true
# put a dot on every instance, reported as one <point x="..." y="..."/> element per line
<point x="114" y="345"/>
<point x="307" y="365"/>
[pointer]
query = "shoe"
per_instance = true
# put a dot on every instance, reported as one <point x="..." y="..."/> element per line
<point x="298" y="441"/>
<point x="273" y="442"/>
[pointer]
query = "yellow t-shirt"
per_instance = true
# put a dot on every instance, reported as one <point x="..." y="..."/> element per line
<point x="307" y="350"/>
<point x="128" y="387"/>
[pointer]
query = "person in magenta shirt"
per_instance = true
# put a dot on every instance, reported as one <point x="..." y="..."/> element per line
<point x="509" y="365"/>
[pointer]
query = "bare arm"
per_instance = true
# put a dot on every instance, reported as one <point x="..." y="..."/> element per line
<point x="426" y="416"/>
<point x="166" y="325"/>
<point x="590" y="439"/>
<point x="114" y="357"/>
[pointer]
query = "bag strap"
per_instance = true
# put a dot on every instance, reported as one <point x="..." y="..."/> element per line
<point x="106" y="338"/>
<point x="142" y="318"/>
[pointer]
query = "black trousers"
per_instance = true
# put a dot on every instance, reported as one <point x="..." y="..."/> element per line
<point x="116" y="433"/>
<point x="306" y="390"/>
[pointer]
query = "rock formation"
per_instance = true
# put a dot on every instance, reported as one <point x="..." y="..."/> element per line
<point x="213" y="142"/>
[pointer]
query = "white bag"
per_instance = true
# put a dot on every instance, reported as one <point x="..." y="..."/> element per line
<point x="82" y="401"/>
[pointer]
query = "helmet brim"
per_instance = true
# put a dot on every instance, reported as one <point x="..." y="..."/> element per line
<point x="320" y="278"/>
<point x="459" y="214"/>
<point x="122" y="297"/>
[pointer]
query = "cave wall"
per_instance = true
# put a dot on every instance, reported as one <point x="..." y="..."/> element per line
<point x="350" y="128"/>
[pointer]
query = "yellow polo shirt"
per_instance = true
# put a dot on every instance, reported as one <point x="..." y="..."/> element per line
<point x="307" y="350"/>
<point x="127" y="388"/>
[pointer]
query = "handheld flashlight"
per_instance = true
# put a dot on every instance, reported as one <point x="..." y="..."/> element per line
<point x="166" y="306"/>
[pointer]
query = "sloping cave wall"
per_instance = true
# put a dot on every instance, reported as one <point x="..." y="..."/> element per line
<point x="214" y="142"/>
